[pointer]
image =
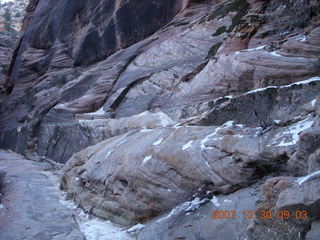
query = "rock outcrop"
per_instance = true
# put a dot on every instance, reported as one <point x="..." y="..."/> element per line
<point x="185" y="160"/>
<point x="165" y="111"/>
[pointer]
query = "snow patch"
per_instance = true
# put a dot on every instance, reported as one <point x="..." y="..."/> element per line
<point x="277" y="121"/>
<point x="313" y="102"/>
<point x="227" y="201"/>
<point x="94" y="228"/>
<point x="285" y="86"/>
<point x="98" y="112"/>
<point x="186" y="146"/>
<point x="145" y="130"/>
<point x="157" y="142"/>
<point x="302" y="38"/>
<point x="164" y="119"/>
<point x="225" y="125"/>
<point x="146" y="159"/>
<point x="309" y="177"/>
<point x="1" y="206"/>
<point x="136" y="228"/>
<point x="186" y="207"/>
<point x="251" y="49"/>
<point x="294" y="130"/>
<point x="215" y="201"/>
<point x="275" y="54"/>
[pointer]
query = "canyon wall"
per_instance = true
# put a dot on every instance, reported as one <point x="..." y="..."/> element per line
<point x="167" y="111"/>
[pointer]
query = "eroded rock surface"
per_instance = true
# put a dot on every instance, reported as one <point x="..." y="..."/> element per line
<point x="31" y="207"/>
<point x="197" y="51"/>
<point x="170" y="109"/>
<point x="181" y="161"/>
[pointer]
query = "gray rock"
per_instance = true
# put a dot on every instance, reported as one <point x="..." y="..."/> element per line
<point x="314" y="232"/>
<point x="198" y="224"/>
<point x="31" y="204"/>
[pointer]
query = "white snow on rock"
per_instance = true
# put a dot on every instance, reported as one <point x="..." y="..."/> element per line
<point x="186" y="146"/>
<point x="215" y="201"/>
<point x="157" y="142"/>
<point x="302" y="38"/>
<point x="1" y="206"/>
<point x="94" y="228"/>
<point x="277" y="121"/>
<point x="136" y="228"/>
<point x="227" y="201"/>
<point x="275" y="54"/>
<point x="284" y="86"/>
<point x="185" y="207"/>
<point x="309" y="177"/>
<point x="165" y="120"/>
<point x="293" y="132"/>
<point x="212" y="135"/>
<point x="313" y="102"/>
<point x="145" y="130"/>
<point x="251" y="49"/>
<point x="146" y="159"/>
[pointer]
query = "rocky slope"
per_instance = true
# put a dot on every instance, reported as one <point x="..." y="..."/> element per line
<point x="187" y="108"/>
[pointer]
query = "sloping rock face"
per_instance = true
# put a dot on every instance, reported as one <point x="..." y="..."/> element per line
<point x="142" y="174"/>
<point x="84" y="56"/>
<point x="167" y="111"/>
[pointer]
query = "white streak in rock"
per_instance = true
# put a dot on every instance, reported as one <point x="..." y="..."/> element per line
<point x="186" y="146"/>
<point x="304" y="179"/>
<point x="108" y="154"/>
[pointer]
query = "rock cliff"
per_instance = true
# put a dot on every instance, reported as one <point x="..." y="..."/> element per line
<point x="11" y="18"/>
<point x="167" y="111"/>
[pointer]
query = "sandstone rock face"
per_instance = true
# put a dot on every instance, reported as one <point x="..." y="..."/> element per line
<point x="180" y="161"/>
<point x="196" y="52"/>
<point x="166" y="110"/>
